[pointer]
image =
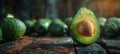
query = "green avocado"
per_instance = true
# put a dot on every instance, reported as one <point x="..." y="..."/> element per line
<point x="84" y="27"/>
<point x="12" y="28"/>
<point x="57" y="27"/>
<point x="41" y="26"/>
<point x="29" y="24"/>
<point x="102" y="21"/>
<point x="68" y="21"/>
<point x="112" y="27"/>
<point x="1" y="34"/>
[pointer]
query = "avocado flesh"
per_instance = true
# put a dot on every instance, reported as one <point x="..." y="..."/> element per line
<point x="85" y="14"/>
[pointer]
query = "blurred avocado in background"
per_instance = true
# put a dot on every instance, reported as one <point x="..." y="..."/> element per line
<point x="41" y="26"/>
<point x="102" y="21"/>
<point x="68" y="22"/>
<point x="29" y="24"/>
<point x="112" y="27"/>
<point x="57" y="27"/>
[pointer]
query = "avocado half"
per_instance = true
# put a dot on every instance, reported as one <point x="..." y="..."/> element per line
<point x="84" y="27"/>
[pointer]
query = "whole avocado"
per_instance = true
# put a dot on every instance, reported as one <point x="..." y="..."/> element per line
<point x="68" y="21"/>
<point x="29" y="24"/>
<point x="41" y="26"/>
<point x="1" y="34"/>
<point x="102" y="21"/>
<point x="57" y="27"/>
<point x="112" y="27"/>
<point x="12" y="28"/>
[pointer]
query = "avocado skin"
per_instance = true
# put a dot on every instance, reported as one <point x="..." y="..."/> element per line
<point x="41" y="26"/>
<point x="102" y="21"/>
<point x="1" y="34"/>
<point x="12" y="28"/>
<point x="68" y="21"/>
<point x="57" y="27"/>
<point x="29" y="24"/>
<point x="112" y="27"/>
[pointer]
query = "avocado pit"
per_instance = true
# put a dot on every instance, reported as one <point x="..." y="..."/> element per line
<point x="86" y="28"/>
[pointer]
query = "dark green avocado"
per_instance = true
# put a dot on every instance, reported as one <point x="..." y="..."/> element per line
<point x="102" y="21"/>
<point x="12" y="28"/>
<point x="41" y="26"/>
<point x="112" y="27"/>
<point x="1" y="34"/>
<point x="84" y="27"/>
<point x="29" y="24"/>
<point x="57" y="27"/>
<point x="68" y="21"/>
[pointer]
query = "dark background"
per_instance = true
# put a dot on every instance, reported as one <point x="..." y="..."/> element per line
<point x="67" y="8"/>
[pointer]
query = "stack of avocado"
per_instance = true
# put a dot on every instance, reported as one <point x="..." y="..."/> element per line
<point x="54" y="27"/>
<point x="43" y="26"/>
<point x="11" y="28"/>
<point x="110" y="27"/>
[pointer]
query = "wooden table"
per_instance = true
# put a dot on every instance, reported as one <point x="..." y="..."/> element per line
<point x="58" y="45"/>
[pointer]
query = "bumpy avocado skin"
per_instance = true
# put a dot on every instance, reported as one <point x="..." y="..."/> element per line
<point x="1" y="34"/>
<point x="41" y="26"/>
<point x="112" y="27"/>
<point x="102" y="21"/>
<point x="29" y="24"/>
<point x="68" y="21"/>
<point x="12" y="28"/>
<point x="57" y="27"/>
<point x="84" y="13"/>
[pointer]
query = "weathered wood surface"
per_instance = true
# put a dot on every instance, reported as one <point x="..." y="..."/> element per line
<point x="14" y="47"/>
<point x="91" y="49"/>
<point x="58" y="45"/>
<point x="112" y="46"/>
